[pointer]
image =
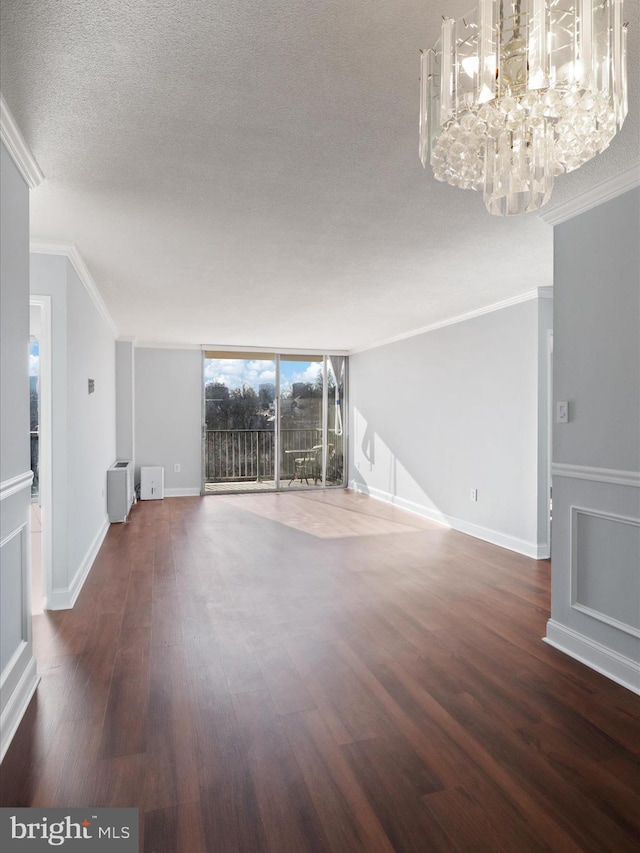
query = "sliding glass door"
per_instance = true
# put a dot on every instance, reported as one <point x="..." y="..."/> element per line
<point x="239" y="421"/>
<point x="272" y="421"/>
<point x="336" y="447"/>
<point x="301" y="420"/>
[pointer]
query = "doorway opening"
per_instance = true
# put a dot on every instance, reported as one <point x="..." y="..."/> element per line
<point x="40" y="440"/>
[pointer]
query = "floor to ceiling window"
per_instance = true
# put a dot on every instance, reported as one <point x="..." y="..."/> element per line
<point x="273" y="421"/>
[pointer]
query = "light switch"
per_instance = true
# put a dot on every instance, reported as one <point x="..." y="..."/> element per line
<point x="562" y="412"/>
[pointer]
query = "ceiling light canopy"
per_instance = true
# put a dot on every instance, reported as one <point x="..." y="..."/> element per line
<point x="520" y="91"/>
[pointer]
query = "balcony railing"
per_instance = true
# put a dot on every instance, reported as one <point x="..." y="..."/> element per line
<point x="244" y="455"/>
<point x="35" y="458"/>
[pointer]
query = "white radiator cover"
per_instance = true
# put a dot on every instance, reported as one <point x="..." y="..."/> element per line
<point x="119" y="490"/>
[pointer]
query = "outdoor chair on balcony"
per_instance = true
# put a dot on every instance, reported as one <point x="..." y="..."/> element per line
<point x="309" y="464"/>
<point x="305" y="465"/>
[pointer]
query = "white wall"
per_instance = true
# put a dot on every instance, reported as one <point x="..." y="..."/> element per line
<point x="455" y="409"/>
<point x="595" y="613"/>
<point x="83" y="424"/>
<point x="168" y="416"/>
<point x="18" y="677"/>
<point x="90" y="423"/>
<point x="14" y="414"/>
<point x="125" y="404"/>
<point x="125" y="382"/>
<point x="545" y="329"/>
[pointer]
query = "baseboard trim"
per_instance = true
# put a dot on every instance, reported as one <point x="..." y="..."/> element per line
<point x="617" y="667"/>
<point x="495" y="537"/>
<point x="18" y="702"/>
<point x="183" y="493"/>
<point x="64" y="599"/>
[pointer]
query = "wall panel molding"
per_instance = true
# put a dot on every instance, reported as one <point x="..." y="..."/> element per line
<point x="576" y="514"/>
<point x="15" y="484"/>
<point x="23" y="531"/>
<point x="19" y="678"/>
<point x="608" y="620"/>
<point x="596" y="475"/>
<point x="19" y="699"/>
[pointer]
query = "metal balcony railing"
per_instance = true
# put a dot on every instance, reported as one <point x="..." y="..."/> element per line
<point x="244" y="455"/>
<point x="35" y="456"/>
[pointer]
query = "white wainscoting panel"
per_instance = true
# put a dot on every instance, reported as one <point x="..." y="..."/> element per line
<point x="595" y="569"/>
<point x="18" y="701"/>
<point x="14" y="588"/>
<point x="605" y="582"/>
<point x="18" y="676"/>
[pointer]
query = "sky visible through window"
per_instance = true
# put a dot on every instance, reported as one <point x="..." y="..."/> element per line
<point x="34" y="357"/>
<point x="235" y="372"/>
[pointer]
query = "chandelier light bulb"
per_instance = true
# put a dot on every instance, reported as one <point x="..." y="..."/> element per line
<point x="520" y="91"/>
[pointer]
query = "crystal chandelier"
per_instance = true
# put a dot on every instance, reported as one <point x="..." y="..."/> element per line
<point x="520" y="91"/>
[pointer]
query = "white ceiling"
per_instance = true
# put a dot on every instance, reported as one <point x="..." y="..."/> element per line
<point x="242" y="173"/>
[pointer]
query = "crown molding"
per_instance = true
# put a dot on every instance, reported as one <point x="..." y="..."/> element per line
<point x="18" y="148"/>
<point x="236" y="348"/>
<point x="274" y="350"/>
<point x="605" y="191"/>
<point x="164" y="345"/>
<point x="127" y="339"/>
<point x="452" y="321"/>
<point x="70" y="251"/>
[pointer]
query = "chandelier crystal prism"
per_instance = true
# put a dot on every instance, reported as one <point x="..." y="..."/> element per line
<point x="520" y="91"/>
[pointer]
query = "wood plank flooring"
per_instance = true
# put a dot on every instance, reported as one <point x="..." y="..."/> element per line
<point x="321" y="672"/>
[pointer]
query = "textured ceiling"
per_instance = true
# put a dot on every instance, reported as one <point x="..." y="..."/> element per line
<point x="246" y="173"/>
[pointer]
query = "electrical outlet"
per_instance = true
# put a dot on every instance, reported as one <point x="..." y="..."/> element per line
<point x="176" y="468"/>
<point x="474" y="494"/>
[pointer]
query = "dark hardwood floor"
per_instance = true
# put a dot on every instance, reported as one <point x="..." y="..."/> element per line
<point x="321" y="672"/>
